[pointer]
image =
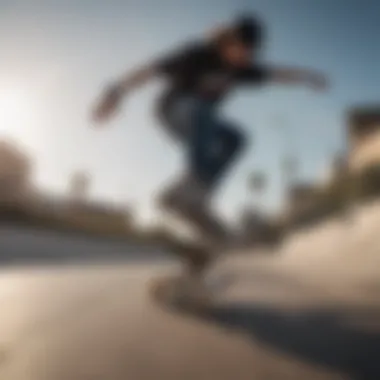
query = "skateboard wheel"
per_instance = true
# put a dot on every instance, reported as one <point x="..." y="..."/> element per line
<point x="182" y="293"/>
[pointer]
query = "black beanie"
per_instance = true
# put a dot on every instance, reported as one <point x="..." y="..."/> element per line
<point x="249" y="30"/>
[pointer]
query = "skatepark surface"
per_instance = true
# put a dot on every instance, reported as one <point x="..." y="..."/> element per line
<point x="310" y="311"/>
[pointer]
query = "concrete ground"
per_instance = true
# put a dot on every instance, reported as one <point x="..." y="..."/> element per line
<point x="61" y="320"/>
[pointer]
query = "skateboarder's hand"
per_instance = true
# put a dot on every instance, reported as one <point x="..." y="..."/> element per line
<point x="107" y="105"/>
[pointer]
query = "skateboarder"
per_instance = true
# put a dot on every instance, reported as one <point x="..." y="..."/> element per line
<point x="198" y="76"/>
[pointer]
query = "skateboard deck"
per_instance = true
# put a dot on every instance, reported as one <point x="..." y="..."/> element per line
<point x="181" y="293"/>
<point x="188" y="291"/>
<point x="212" y="234"/>
<point x="209" y="228"/>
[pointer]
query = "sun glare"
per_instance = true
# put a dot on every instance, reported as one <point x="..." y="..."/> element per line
<point x="16" y="109"/>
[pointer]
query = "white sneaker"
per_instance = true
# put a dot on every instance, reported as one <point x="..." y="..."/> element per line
<point x="185" y="193"/>
<point x="170" y="197"/>
<point x="194" y="193"/>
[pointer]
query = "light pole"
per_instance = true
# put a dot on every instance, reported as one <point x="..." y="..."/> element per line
<point x="288" y="160"/>
<point x="256" y="186"/>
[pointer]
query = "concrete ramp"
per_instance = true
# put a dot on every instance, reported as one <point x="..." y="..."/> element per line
<point x="99" y="323"/>
<point x="310" y="312"/>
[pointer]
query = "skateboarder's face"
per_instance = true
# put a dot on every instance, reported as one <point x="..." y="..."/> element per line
<point x="237" y="54"/>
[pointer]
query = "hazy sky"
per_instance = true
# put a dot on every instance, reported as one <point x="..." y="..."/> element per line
<point x="56" y="55"/>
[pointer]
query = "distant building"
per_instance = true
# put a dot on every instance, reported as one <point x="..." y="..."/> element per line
<point x="101" y="216"/>
<point x="363" y="137"/>
<point x="91" y="215"/>
<point x="362" y="151"/>
<point x="300" y="202"/>
<point x="74" y="208"/>
<point x="339" y="167"/>
<point x="79" y="186"/>
<point x="301" y="195"/>
<point x="363" y="144"/>
<point x="15" y="173"/>
<point x="104" y="216"/>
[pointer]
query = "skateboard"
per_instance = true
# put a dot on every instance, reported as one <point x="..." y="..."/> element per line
<point x="213" y="235"/>
<point x="192" y="289"/>
<point x="181" y="292"/>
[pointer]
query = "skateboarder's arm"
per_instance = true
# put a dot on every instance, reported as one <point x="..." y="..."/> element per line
<point x="295" y="76"/>
<point x="177" y="61"/>
<point x="136" y="78"/>
<point x="169" y="63"/>
<point x="114" y="94"/>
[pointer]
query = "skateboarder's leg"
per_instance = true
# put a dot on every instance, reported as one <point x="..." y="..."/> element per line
<point x="228" y="143"/>
<point x="202" y="142"/>
<point x="212" y="145"/>
<point x="214" y="148"/>
<point x="180" y="121"/>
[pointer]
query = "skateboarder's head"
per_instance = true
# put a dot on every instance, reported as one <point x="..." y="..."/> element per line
<point x="240" y="42"/>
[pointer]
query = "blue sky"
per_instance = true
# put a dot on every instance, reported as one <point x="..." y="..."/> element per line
<point x="57" y="55"/>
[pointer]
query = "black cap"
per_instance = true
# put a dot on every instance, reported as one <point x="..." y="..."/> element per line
<point x="249" y="30"/>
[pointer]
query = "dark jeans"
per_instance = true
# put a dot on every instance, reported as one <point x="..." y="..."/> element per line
<point x="212" y="144"/>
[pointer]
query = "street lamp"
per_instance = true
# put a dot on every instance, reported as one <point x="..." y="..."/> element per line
<point x="288" y="161"/>
<point x="256" y="186"/>
<point x="289" y="168"/>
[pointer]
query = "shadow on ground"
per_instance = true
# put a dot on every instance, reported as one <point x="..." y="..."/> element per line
<point x="346" y="340"/>
<point x="324" y="338"/>
<point x="260" y="278"/>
